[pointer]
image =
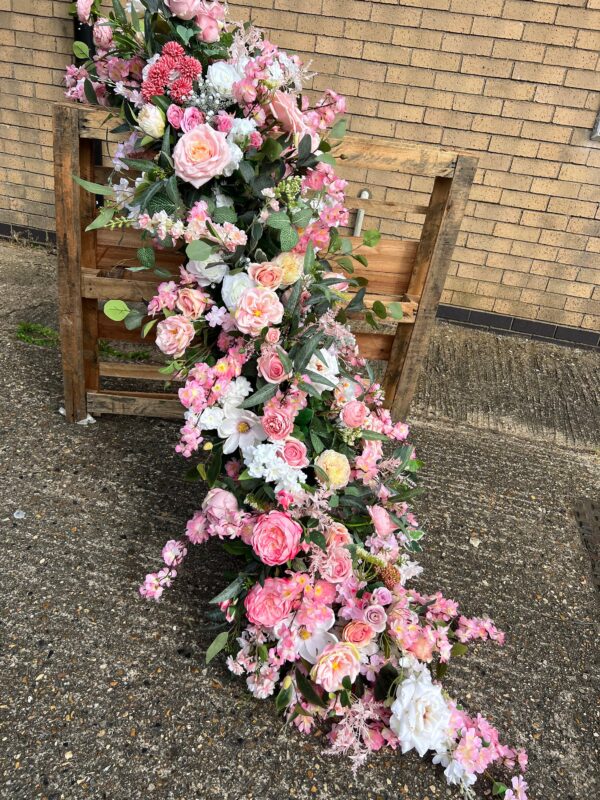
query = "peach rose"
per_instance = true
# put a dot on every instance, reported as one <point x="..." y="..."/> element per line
<point x="173" y="335"/>
<point x="271" y="368"/>
<point x="273" y="336"/>
<point x="337" y="535"/>
<point x="338" y="566"/>
<point x="294" y="453"/>
<point x="336" y="466"/>
<point x="257" y="308"/>
<point x="266" y="274"/>
<point x="200" y="155"/>
<point x="358" y="633"/>
<point x="277" y="423"/>
<point x="338" y="661"/>
<point x="191" y="302"/>
<point x="284" y="107"/>
<point x="354" y="414"/>
<point x="184" y="9"/>
<point x="269" y="604"/>
<point x="382" y="522"/>
<point x="276" y="538"/>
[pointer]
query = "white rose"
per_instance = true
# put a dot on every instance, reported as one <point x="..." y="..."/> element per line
<point x="237" y="391"/>
<point x="329" y="370"/>
<point x="152" y="121"/>
<point x="233" y="288"/>
<point x="211" y="418"/>
<point x="241" y="129"/>
<point x="208" y="272"/>
<point x="235" y="156"/>
<point x="221" y="76"/>
<point x="420" y="715"/>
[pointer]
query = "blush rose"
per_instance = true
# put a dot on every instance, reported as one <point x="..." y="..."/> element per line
<point x="173" y="335"/>
<point x="200" y="155"/>
<point x="277" y="423"/>
<point x="269" y="604"/>
<point x="191" y="302"/>
<point x="276" y="538"/>
<point x="271" y="368"/>
<point x="294" y="454"/>
<point x="257" y="308"/>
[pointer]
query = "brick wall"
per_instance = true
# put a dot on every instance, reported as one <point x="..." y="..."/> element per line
<point x="513" y="80"/>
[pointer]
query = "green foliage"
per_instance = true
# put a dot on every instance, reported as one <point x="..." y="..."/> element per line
<point x="40" y="335"/>
<point x="116" y="310"/>
<point x="218" y="644"/>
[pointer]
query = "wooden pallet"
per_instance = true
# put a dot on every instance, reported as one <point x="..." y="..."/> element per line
<point x="91" y="267"/>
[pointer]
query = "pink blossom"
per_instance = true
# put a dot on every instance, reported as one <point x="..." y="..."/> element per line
<point x="338" y="565"/>
<point x="200" y="155"/>
<point x="383" y="523"/>
<point x="84" y="10"/>
<point x="103" y="35"/>
<point x="174" y="552"/>
<point x="219" y="505"/>
<point x="354" y="414"/>
<point x="257" y="309"/>
<point x="196" y="530"/>
<point x="294" y="453"/>
<point x="358" y="633"/>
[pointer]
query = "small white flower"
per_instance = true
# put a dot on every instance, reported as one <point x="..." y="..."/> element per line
<point x="240" y="428"/>
<point x="233" y="288"/>
<point x="221" y="76"/>
<point x="209" y="272"/>
<point x="241" y="129"/>
<point x="325" y="364"/>
<point x="235" y="156"/>
<point x="311" y="645"/>
<point x="211" y="418"/>
<point x="420" y="715"/>
<point x="237" y="391"/>
<point x="264" y="461"/>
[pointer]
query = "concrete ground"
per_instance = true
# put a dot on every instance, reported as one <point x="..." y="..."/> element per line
<point x="104" y="696"/>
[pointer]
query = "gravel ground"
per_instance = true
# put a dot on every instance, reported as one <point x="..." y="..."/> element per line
<point x="103" y="696"/>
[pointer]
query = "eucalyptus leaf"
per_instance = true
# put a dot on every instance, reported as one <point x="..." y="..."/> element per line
<point x="116" y="310"/>
<point x="218" y="644"/>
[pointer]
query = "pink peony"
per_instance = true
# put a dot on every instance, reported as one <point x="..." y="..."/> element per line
<point x="175" y="116"/>
<point x="191" y="303"/>
<point x="200" y="155"/>
<point x="184" y="9"/>
<point x="219" y="505"/>
<point x="269" y="604"/>
<point x="208" y="18"/>
<point x="102" y="34"/>
<point x="276" y="538"/>
<point x="284" y="107"/>
<point x="294" y="453"/>
<point x="338" y="566"/>
<point x="358" y="633"/>
<point x="337" y="661"/>
<point x="257" y="308"/>
<point x="173" y="335"/>
<point x="266" y="274"/>
<point x="383" y="523"/>
<point x="271" y="368"/>
<point x="354" y="414"/>
<point x="192" y="117"/>
<point x="84" y="10"/>
<point x="277" y="423"/>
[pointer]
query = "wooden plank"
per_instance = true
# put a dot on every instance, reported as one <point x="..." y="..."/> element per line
<point x="100" y="288"/>
<point x="374" y="346"/>
<point x="89" y="308"/>
<point x="146" y="372"/>
<point x="68" y="244"/>
<point x="383" y="208"/>
<point x="140" y="404"/>
<point x="440" y="231"/>
<point x="393" y="156"/>
<point x="108" y="329"/>
<point x="96" y="122"/>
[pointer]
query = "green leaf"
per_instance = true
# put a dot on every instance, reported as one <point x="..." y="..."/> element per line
<point x="459" y="649"/>
<point x="134" y="319"/>
<point x="217" y="644"/>
<point x="81" y="50"/>
<point x="357" y="304"/>
<point x="198" y="251"/>
<point x="308" y="690"/>
<point x="361" y="259"/>
<point x="278" y="220"/>
<point x="304" y="417"/>
<point x="225" y="214"/>
<point x="316" y="377"/>
<point x="373" y="436"/>
<point x="395" y="310"/>
<point x="306" y="351"/>
<point x="271" y="149"/>
<point x="185" y="34"/>
<point x="116" y="310"/>
<point x="229" y="592"/>
<point x="148" y="327"/>
<point x="286" y="361"/>
<point x="146" y="257"/>
<point x="94" y="188"/>
<point x="260" y="396"/>
<point x="90" y="92"/>
<point x="441" y="670"/>
<point x="499" y="789"/>
<point x="326" y="158"/>
<point x="316" y="537"/>
<point x="371" y="238"/>
<point x="103" y="218"/>
<point x="302" y="216"/>
<point x="347" y="683"/>
<point x="379" y="309"/>
<point x="283" y="699"/>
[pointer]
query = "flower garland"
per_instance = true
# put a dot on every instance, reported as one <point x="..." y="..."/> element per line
<point x="283" y="418"/>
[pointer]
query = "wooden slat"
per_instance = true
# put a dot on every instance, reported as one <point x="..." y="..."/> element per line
<point x="100" y="288"/>
<point x="147" y="372"/>
<point x="96" y="123"/>
<point x="375" y="346"/>
<point x="108" y="329"/>
<point x="393" y="156"/>
<point x="383" y="208"/>
<point x="68" y="243"/>
<point x="140" y="404"/>
<point x="440" y="231"/>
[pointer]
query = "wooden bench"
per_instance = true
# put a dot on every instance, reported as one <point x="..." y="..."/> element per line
<point x="91" y="267"/>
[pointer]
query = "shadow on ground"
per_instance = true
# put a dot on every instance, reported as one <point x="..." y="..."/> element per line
<point x="103" y="696"/>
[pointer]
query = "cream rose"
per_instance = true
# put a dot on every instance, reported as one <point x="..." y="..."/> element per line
<point x="152" y="121"/>
<point x="292" y="267"/>
<point x="336" y="466"/>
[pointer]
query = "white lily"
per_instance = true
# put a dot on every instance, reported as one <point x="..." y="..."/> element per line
<point x="240" y="428"/>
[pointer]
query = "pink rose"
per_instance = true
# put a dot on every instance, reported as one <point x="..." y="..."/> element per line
<point x="273" y="336"/>
<point x="102" y="34"/>
<point x="382" y="596"/>
<point x="338" y="566"/>
<point x="284" y="107"/>
<point x="200" y="155"/>
<point x="208" y="18"/>
<point x="276" y="538"/>
<point x="173" y="335"/>
<point x="192" y="117"/>
<point x="277" y="423"/>
<point x="358" y="633"/>
<point x="257" y="307"/>
<point x="184" y="9"/>
<point x="376" y="617"/>
<point x="219" y="505"/>
<point x="294" y="453"/>
<point x="271" y="368"/>
<point x="84" y="9"/>
<point x="337" y="535"/>
<point x="269" y="604"/>
<point x="266" y="274"/>
<point x="354" y="414"/>
<point x="338" y="660"/>
<point x="191" y="302"/>
<point x="383" y="523"/>
<point x="423" y="647"/>
<point x="175" y="116"/>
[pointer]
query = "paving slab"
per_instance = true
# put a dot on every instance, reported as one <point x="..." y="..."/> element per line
<point x="104" y="696"/>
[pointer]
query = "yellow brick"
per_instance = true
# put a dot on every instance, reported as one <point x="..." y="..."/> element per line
<point x="490" y="243"/>
<point x="523" y="51"/>
<point x="469" y="102"/>
<point x="491" y="8"/>
<point x="342" y="9"/>
<point x="588" y="40"/>
<point x="450" y="22"/>
<point x="534" y="250"/>
<point x="570" y="57"/>
<point x="512" y="231"/>
<point x="385" y="54"/>
<point x="577" y="208"/>
<point x="398" y="111"/>
<point x="469" y="44"/>
<point x="408" y="76"/>
<point x="561" y="96"/>
<point x="497" y="212"/>
<point x="479" y="273"/>
<point x="379" y="91"/>
<point x="396" y="15"/>
<point x="553" y="270"/>
<point x="581" y="78"/>
<point x="435" y="60"/>
<point x="427" y="40"/>
<point x="551" y="222"/>
<point x="465" y="84"/>
<point x="583" y="306"/>
<point x="493" y="67"/>
<point x="531" y="111"/>
<point x="591" y="322"/>
<point x="428" y="98"/>
<point x="461" y="284"/>
<point x="564" y="239"/>
<point x="529" y="12"/>
<point x="539" y="72"/>
<point x="545" y="299"/>
<point x="575" y="117"/>
<point x="368" y="31"/>
<point x="473" y="301"/>
<point x="564" y="153"/>
<point x="511" y="90"/>
<point x="559" y="317"/>
<point x="523" y="280"/>
<point x="498" y="291"/>
<point x="506" y="127"/>
<point x="570" y="288"/>
<point x="316" y="23"/>
<point x="550" y="34"/>
<point x="513" y="146"/>
<point x="582" y="19"/>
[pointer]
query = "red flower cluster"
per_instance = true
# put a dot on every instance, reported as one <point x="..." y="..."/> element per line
<point x="173" y="71"/>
